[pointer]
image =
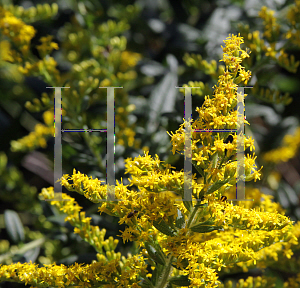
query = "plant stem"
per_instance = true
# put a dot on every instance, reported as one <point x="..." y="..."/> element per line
<point x="25" y="248"/>
<point x="163" y="280"/>
<point x="190" y="220"/>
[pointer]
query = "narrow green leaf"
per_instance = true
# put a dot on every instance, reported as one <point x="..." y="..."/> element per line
<point x="14" y="226"/>
<point x="205" y="228"/>
<point x="208" y="222"/>
<point x="171" y="220"/>
<point x="156" y="256"/>
<point x="32" y="254"/>
<point x="181" y="280"/>
<point x="217" y="185"/>
<point x="188" y="205"/>
<point x="162" y="98"/>
<point x="160" y="253"/>
<point x="163" y="227"/>
<point x="146" y="283"/>
<point x="214" y="160"/>
<point x="198" y="168"/>
<point x="156" y="274"/>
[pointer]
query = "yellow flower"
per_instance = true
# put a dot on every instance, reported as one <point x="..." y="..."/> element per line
<point x="16" y="30"/>
<point x="5" y="52"/>
<point x="47" y="46"/>
<point x="288" y="150"/>
<point x="129" y="59"/>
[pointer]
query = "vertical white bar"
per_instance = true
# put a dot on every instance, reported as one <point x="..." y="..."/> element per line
<point x="110" y="165"/>
<point x="110" y="152"/>
<point x="240" y="184"/>
<point x="240" y="150"/>
<point x="188" y="145"/>
<point x="57" y="146"/>
<point x="188" y="174"/>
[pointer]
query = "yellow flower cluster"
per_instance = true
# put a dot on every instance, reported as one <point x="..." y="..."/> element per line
<point x="45" y="67"/>
<point x="89" y="275"/>
<point x="186" y="243"/>
<point x="288" y="62"/>
<point x="196" y="61"/>
<point x="289" y="149"/>
<point x="16" y="43"/>
<point x="17" y="31"/>
<point x="293" y="18"/>
<point x="292" y="282"/>
<point x="38" y="137"/>
<point x="47" y="46"/>
<point x="109" y="52"/>
<point x="116" y="267"/>
<point x="129" y="60"/>
<point x="180" y="247"/>
<point x="233" y="55"/>
<point x="271" y="95"/>
<point x="201" y="90"/>
<point x="218" y="112"/>
<point x="5" y="52"/>
<point x="271" y="27"/>
<point x="281" y="251"/>
<point x="260" y="281"/>
<point x="272" y="35"/>
<point x="260" y="200"/>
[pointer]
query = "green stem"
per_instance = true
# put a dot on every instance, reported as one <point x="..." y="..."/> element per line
<point x="199" y="169"/>
<point x="25" y="248"/>
<point x="190" y="220"/>
<point x="163" y="280"/>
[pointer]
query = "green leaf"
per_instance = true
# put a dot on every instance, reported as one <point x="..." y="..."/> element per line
<point x="162" y="98"/>
<point x="215" y="160"/>
<point x="154" y="254"/>
<point x="163" y="227"/>
<point x="188" y="205"/>
<point x="217" y="185"/>
<point x="156" y="274"/>
<point x="32" y="254"/>
<point x="14" y="226"/>
<point x="181" y="280"/>
<point x="198" y="168"/>
<point x="146" y="283"/>
<point x="200" y="228"/>
<point x="180" y="219"/>
<point x="208" y="222"/>
<point x="171" y="220"/>
<point x="160" y="252"/>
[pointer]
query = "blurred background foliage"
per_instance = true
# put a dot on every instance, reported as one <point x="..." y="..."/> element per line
<point x="148" y="48"/>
